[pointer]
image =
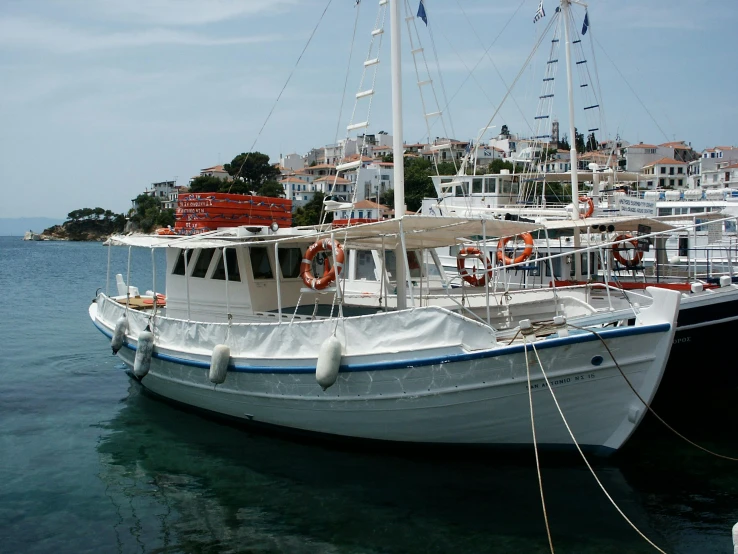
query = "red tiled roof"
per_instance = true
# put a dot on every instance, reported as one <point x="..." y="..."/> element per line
<point x="666" y="161"/>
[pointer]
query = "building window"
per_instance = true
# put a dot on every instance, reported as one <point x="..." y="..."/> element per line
<point x="681" y="182"/>
<point x="671" y="182"/>
<point x="680" y="170"/>
<point x="663" y="170"/>
<point x="661" y="182"/>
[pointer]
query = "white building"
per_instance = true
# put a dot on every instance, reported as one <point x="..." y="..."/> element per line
<point x="215" y="171"/>
<point x="173" y="199"/>
<point x="291" y="162"/>
<point x="703" y="171"/>
<point x="664" y="173"/>
<point x="638" y="156"/>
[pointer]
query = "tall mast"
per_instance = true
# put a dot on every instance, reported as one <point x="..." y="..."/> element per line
<point x="397" y="147"/>
<point x="397" y="142"/>
<point x="565" y="9"/>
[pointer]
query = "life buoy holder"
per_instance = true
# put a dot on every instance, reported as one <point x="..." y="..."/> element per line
<point x="589" y="210"/>
<point x="472" y="278"/>
<point x="617" y="254"/>
<point x="306" y="267"/>
<point x="527" y="238"/>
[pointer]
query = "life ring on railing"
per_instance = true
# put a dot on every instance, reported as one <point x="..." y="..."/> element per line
<point x="527" y="238"/>
<point x="589" y="210"/>
<point x="306" y="267"/>
<point x="616" y="251"/>
<point x="473" y="279"/>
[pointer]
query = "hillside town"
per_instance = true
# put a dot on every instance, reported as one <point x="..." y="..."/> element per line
<point x="672" y="165"/>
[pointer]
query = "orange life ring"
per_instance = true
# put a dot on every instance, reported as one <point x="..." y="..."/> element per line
<point x="527" y="238"/>
<point x="473" y="279"/>
<point x="616" y="248"/>
<point x="590" y="206"/>
<point x="306" y="267"/>
<point x="165" y="231"/>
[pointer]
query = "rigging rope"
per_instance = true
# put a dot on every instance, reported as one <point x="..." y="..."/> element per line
<point x="657" y="416"/>
<point x="632" y="89"/>
<point x="586" y="461"/>
<point x="279" y="96"/>
<point x="473" y="69"/>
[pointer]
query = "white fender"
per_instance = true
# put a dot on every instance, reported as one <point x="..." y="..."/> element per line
<point x="119" y="334"/>
<point x="735" y="538"/>
<point x="144" y="350"/>
<point x="219" y="364"/>
<point x="329" y="360"/>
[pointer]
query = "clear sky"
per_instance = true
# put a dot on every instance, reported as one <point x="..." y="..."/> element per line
<point x="99" y="98"/>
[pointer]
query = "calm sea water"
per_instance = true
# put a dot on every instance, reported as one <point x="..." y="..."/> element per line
<point x="88" y="463"/>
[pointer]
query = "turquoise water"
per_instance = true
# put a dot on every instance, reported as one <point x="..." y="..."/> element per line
<point x="88" y="463"/>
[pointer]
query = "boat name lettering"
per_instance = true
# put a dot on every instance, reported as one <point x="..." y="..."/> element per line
<point x="563" y="381"/>
<point x="681" y="340"/>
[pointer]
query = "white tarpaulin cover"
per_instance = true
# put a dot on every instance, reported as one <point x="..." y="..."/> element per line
<point x="407" y="334"/>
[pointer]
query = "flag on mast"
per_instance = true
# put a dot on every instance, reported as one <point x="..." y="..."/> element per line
<point x="585" y="26"/>
<point x="539" y="12"/>
<point x="421" y="13"/>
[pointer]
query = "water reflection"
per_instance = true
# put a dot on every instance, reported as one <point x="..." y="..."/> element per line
<point x="179" y="482"/>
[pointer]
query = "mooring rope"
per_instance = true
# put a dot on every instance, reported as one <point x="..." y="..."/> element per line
<point x="657" y="416"/>
<point x="535" y="447"/>
<point x="579" y="449"/>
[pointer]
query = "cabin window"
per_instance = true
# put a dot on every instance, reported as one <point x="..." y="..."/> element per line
<point x="203" y="262"/>
<point x="462" y="189"/>
<point x="413" y="262"/>
<point x="489" y="185"/>
<point x="231" y="258"/>
<point x="179" y="267"/>
<point x="684" y="246"/>
<point x="587" y="262"/>
<point x="477" y="185"/>
<point x="506" y="187"/>
<point x="365" y="266"/>
<point x="556" y="262"/>
<point x="696" y="210"/>
<point x="289" y="262"/>
<point x="664" y="211"/>
<point x="260" y="265"/>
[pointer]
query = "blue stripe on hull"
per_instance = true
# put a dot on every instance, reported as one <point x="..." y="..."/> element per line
<point x="403" y="364"/>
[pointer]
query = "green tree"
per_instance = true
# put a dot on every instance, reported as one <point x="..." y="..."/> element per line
<point x="206" y="183"/>
<point x="496" y="165"/>
<point x="388" y="198"/>
<point x="272" y="189"/>
<point x="579" y="141"/>
<point x="564" y="143"/>
<point x="146" y="213"/>
<point x="591" y="142"/>
<point x="310" y="213"/>
<point x="250" y="172"/>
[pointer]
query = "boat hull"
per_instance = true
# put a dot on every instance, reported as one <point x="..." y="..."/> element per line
<point x="476" y="398"/>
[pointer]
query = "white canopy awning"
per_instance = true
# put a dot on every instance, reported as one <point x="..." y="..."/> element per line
<point x="420" y="232"/>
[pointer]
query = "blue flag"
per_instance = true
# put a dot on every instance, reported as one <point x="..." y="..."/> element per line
<point x="585" y="26"/>
<point x="421" y="13"/>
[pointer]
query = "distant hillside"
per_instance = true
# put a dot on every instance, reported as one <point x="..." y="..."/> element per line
<point x="19" y="225"/>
